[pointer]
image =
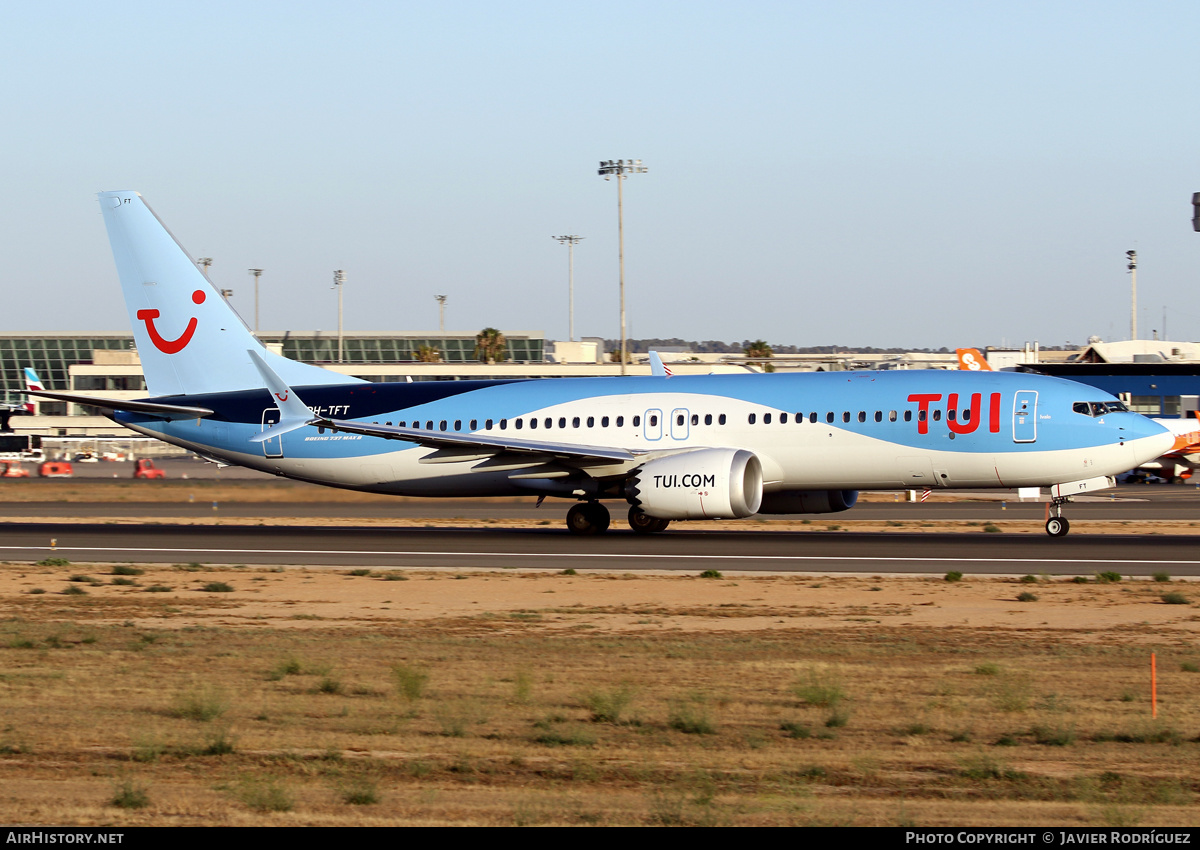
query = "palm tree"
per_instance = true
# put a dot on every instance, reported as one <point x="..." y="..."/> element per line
<point x="491" y="346"/>
<point x="759" y="349"/>
<point x="429" y="354"/>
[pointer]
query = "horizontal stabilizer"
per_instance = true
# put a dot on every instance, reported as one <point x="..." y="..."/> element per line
<point x="151" y="408"/>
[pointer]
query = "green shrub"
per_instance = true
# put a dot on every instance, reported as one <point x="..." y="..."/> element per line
<point x="1027" y="597"/>
<point x="1163" y="577"/>
<point x="127" y="570"/>
<point x="360" y="791"/>
<point x="691" y="716"/>
<point x="264" y="795"/>
<point x="127" y="795"/>
<point x="819" y="688"/>
<point x="1108" y="577"/>
<point x="607" y="706"/>
<point x="203" y="703"/>
<point x="711" y="574"/>
<point x="1174" y="598"/>
<point x="410" y="681"/>
<point x="953" y="575"/>
<point x="217" y="587"/>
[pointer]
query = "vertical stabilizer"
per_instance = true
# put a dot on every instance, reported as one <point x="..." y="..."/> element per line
<point x="190" y="340"/>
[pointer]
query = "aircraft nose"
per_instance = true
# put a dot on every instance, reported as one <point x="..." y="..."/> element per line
<point x="1150" y="439"/>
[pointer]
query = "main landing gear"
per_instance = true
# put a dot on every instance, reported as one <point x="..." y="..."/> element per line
<point x="644" y="523"/>
<point x="1057" y="525"/>
<point x="593" y="518"/>
<point x="588" y="518"/>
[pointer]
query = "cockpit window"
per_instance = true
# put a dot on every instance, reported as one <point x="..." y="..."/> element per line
<point x="1098" y="408"/>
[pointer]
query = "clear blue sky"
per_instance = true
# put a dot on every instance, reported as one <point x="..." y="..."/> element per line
<point x="867" y="173"/>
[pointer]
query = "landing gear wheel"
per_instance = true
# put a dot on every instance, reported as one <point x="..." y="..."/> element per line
<point x="643" y="523"/>
<point x="588" y="518"/>
<point x="1057" y="526"/>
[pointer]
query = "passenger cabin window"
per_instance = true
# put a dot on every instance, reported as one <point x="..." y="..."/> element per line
<point x="519" y="423"/>
<point x="908" y="416"/>
<point x="829" y="416"/>
<point x="708" y="419"/>
<point x="845" y="415"/>
<point x="621" y="421"/>
<point x="532" y="422"/>
<point x="937" y="415"/>
<point x="783" y="419"/>
<point x="721" y="419"/>
<point x="503" y="424"/>
<point x="603" y="421"/>
<point x="862" y="416"/>
<point x="637" y="421"/>
<point x="753" y="418"/>
<point x="891" y="416"/>
<point x="812" y="417"/>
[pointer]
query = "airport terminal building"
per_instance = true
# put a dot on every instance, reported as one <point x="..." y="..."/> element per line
<point x="1155" y="378"/>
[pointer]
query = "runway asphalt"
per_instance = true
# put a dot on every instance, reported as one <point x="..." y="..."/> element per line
<point x="553" y="548"/>
<point x="90" y="536"/>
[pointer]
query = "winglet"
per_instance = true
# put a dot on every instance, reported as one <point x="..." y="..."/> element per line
<point x="293" y="413"/>
<point x="657" y="367"/>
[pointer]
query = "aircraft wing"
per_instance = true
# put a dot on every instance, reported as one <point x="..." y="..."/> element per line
<point x="486" y="444"/>
<point x="152" y="408"/>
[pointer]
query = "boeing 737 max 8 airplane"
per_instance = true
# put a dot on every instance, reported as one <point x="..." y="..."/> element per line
<point x="669" y="447"/>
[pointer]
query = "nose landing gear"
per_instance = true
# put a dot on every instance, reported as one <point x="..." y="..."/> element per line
<point x="1057" y="525"/>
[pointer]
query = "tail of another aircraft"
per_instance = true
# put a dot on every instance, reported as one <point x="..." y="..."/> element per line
<point x="972" y="359"/>
<point x="32" y="383"/>
<point x="190" y="340"/>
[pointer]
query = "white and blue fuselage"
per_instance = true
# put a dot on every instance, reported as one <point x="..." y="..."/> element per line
<point x="672" y="447"/>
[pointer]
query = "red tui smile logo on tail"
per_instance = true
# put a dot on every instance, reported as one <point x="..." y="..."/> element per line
<point x="171" y="346"/>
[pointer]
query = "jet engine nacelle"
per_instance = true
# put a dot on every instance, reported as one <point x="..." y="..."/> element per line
<point x="701" y="484"/>
<point x="808" y="501"/>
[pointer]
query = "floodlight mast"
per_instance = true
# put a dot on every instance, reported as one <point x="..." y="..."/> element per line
<point x="621" y="168"/>
<point x="441" y="300"/>
<point x="339" y="279"/>
<point x="1132" y="257"/>
<point x="257" y="274"/>
<point x="570" y="242"/>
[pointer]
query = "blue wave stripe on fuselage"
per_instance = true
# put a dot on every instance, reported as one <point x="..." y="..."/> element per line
<point x="837" y="392"/>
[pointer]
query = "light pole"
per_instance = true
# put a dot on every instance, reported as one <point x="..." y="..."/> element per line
<point x="339" y="279"/>
<point x="1132" y="256"/>
<point x="621" y="168"/>
<point x="570" y="242"/>
<point x="441" y="300"/>
<point x="257" y="274"/>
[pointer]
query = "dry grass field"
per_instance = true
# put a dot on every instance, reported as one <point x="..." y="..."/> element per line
<point x="256" y="696"/>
